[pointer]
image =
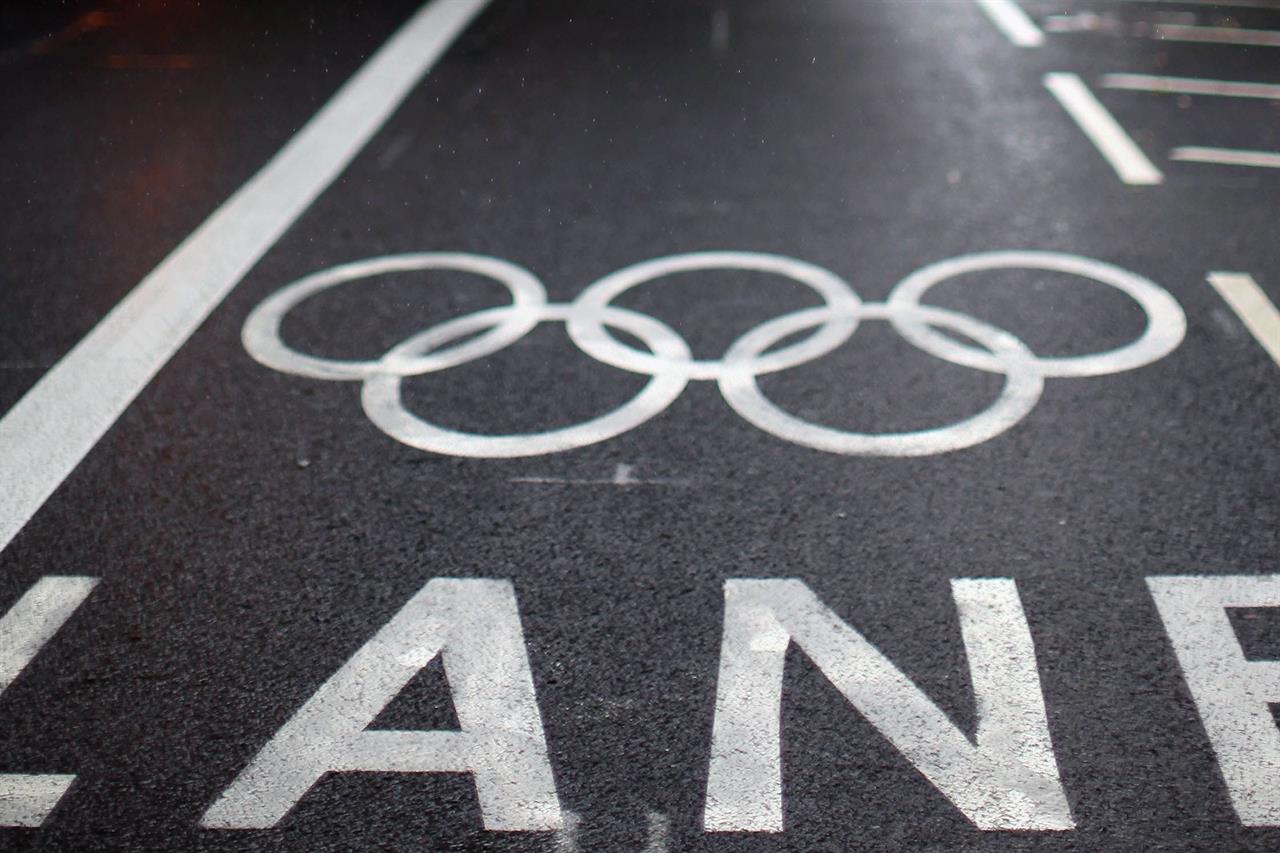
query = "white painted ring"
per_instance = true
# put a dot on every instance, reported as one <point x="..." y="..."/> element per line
<point x="380" y="395"/>
<point x="261" y="332"/>
<point x="1022" y="388"/>
<point x="1166" y="323"/>
<point x="591" y="334"/>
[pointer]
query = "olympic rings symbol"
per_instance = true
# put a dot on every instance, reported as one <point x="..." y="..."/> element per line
<point x="669" y="363"/>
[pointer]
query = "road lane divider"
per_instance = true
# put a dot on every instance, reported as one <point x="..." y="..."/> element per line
<point x="1011" y="20"/>
<point x="1226" y="156"/>
<point x="1191" y="86"/>
<point x="46" y="434"/>
<point x="1216" y="35"/>
<point x="1113" y="143"/>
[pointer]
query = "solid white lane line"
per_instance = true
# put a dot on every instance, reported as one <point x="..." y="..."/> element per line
<point x="1103" y="131"/>
<point x="46" y="434"/>
<point x="1009" y="18"/>
<point x="1190" y="86"/>
<point x="1217" y="35"/>
<point x="1226" y="156"/>
<point x="1255" y="310"/>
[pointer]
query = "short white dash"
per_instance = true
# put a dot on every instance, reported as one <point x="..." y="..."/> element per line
<point x="1103" y="130"/>
<point x="1255" y="310"/>
<point x="1242" y="4"/>
<point x="1011" y="20"/>
<point x="1190" y="86"/>
<point x="35" y="618"/>
<point x="566" y="837"/>
<point x="659" y="834"/>
<point x="1218" y="35"/>
<point x="1227" y="156"/>
<point x="26" y="799"/>
<point x="47" y="432"/>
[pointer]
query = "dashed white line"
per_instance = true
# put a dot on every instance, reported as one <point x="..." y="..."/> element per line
<point x="26" y="799"/>
<point x="46" y="434"/>
<point x="35" y="618"/>
<point x="1217" y="35"/>
<point x="1103" y="130"/>
<point x="1190" y="86"/>
<point x="1226" y="156"/>
<point x="566" y="837"/>
<point x="1255" y="310"/>
<point x="1011" y="20"/>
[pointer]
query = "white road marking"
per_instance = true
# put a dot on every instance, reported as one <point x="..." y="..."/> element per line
<point x="1190" y="86"/>
<point x="1232" y="693"/>
<point x="1103" y="130"/>
<point x="1217" y="35"/>
<point x="623" y="475"/>
<point x="668" y="359"/>
<point x="46" y="434"/>
<point x="658" y="839"/>
<point x="1004" y="778"/>
<point x="1226" y="156"/>
<point x="1011" y="20"/>
<point x="35" y="618"/>
<point x="474" y="626"/>
<point x="720" y="30"/>
<point x="1255" y="310"/>
<point x="1242" y="4"/>
<point x="26" y="799"/>
<point x="566" y="837"/>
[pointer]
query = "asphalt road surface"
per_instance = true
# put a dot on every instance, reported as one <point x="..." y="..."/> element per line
<point x="584" y="426"/>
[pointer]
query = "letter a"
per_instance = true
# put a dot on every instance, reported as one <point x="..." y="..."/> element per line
<point x="1007" y="780"/>
<point x="475" y="626"/>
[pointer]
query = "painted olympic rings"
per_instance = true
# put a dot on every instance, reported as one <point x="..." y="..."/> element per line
<point x="669" y="362"/>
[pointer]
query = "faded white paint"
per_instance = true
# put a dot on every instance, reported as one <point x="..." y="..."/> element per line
<point x="1006" y="778"/>
<point x="26" y="799"/>
<point x="1226" y="156"/>
<point x="474" y="625"/>
<point x="658" y="834"/>
<point x="1216" y="35"/>
<point x="1232" y="693"/>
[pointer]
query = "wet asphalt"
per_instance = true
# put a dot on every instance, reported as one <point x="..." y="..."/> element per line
<point x="252" y="529"/>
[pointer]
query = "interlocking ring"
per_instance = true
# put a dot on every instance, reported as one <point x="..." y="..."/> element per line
<point x="669" y="362"/>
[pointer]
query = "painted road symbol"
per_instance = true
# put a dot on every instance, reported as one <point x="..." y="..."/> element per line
<point x="1004" y="777"/>
<point x="671" y="365"/>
